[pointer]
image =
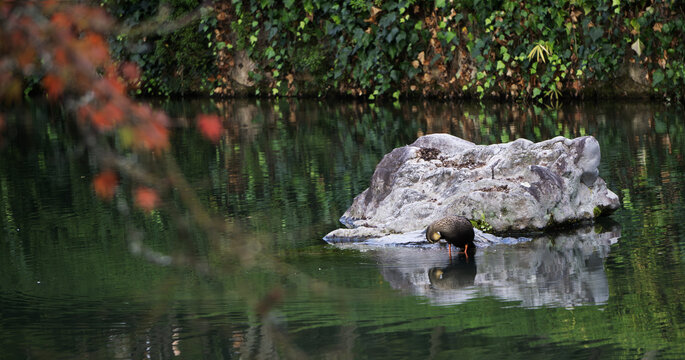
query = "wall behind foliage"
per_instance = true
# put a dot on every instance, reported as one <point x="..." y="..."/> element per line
<point x="506" y="49"/>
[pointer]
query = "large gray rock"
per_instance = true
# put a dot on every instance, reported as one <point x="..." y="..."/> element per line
<point x="515" y="187"/>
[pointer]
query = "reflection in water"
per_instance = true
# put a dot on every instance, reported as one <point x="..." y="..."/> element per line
<point x="287" y="169"/>
<point x="564" y="270"/>
<point x="460" y="273"/>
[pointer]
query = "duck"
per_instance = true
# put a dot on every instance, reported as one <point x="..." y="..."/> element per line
<point x="455" y="230"/>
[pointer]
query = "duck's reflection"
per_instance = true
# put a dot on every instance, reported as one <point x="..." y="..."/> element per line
<point x="565" y="269"/>
<point x="460" y="273"/>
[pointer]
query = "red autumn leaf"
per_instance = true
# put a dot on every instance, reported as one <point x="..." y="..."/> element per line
<point x="53" y="85"/>
<point x="100" y="120"/>
<point x="151" y="132"/>
<point x="210" y="126"/>
<point x="142" y="111"/>
<point x="160" y="118"/>
<point x="26" y="57"/>
<point x="60" y="57"/>
<point x="61" y="21"/>
<point x="114" y="113"/>
<point x="116" y="85"/>
<point x="108" y="86"/>
<point x="152" y="136"/>
<point x="107" y="117"/>
<point x="146" y="198"/>
<point x="95" y="48"/>
<point x="131" y="72"/>
<point x="105" y="184"/>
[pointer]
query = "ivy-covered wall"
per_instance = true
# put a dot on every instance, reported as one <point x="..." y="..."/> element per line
<point x="506" y="49"/>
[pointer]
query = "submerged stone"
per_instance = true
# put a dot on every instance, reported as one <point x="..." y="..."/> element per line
<point x="517" y="187"/>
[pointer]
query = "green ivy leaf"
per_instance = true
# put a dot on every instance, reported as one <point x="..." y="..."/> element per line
<point x="657" y="77"/>
<point x="596" y="32"/>
<point x="387" y="20"/>
<point x="536" y="92"/>
<point x="400" y="37"/>
<point x="269" y="52"/>
<point x="449" y="36"/>
<point x="635" y="25"/>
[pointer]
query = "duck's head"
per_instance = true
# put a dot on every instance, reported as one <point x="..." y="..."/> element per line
<point x="433" y="236"/>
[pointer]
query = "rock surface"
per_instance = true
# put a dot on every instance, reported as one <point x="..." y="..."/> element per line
<point x="516" y="187"/>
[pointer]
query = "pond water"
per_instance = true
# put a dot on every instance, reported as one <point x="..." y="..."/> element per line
<point x="74" y="285"/>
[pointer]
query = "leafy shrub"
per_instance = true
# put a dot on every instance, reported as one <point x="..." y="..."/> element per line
<point x="170" y="40"/>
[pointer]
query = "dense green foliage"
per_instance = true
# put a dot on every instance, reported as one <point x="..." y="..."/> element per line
<point x="170" y="40"/>
<point x="507" y="49"/>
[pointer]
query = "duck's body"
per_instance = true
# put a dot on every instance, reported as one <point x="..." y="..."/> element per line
<point x="456" y="230"/>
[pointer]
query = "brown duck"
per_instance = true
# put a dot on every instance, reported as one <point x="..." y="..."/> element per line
<point x="456" y="230"/>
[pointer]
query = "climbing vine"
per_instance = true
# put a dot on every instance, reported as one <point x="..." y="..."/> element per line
<point x="506" y="49"/>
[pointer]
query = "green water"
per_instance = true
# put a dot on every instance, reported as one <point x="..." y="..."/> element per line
<point x="72" y="286"/>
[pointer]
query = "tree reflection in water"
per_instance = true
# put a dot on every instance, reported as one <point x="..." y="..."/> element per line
<point x="280" y="179"/>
